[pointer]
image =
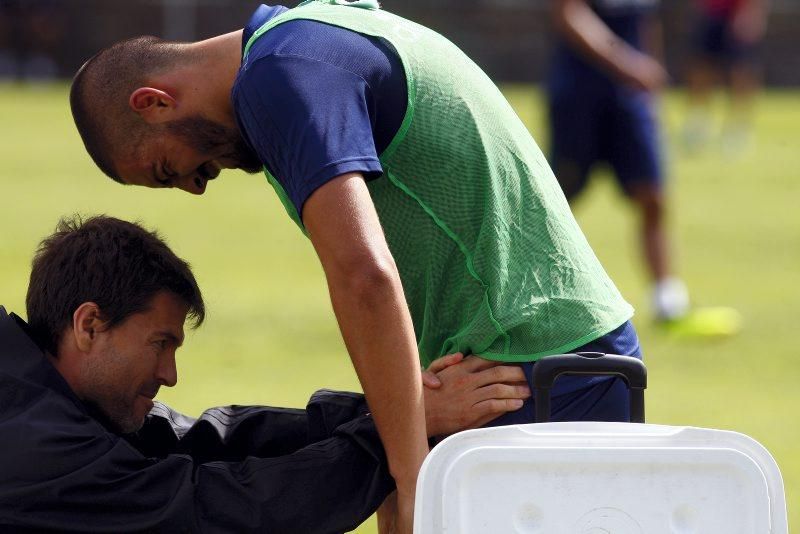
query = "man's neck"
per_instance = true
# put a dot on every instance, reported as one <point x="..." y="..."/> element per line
<point x="208" y="76"/>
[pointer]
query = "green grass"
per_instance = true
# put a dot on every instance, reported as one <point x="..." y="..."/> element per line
<point x="271" y="338"/>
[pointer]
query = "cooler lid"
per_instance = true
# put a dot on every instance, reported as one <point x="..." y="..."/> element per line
<point x="597" y="478"/>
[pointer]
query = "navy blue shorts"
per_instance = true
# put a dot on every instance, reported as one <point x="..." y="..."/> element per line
<point x="715" y="41"/>
<point x="580" y="398"/>
<point x="613" y="125"/>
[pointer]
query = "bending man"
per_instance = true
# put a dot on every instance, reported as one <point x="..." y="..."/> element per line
<point x="437" y="221"/>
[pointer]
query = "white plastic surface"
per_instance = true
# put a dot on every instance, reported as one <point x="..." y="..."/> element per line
<point x="599" y="478"/>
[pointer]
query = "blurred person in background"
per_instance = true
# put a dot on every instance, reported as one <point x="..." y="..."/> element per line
<point x="437" y="220"/>
<point x="86" y="448"/>
<point x="602" y="89"/>
<point x="725" y="47"/>
<point x="30" y="31"/>
<point x="601" y="93"/>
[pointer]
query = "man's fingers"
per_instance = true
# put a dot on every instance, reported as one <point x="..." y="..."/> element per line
<point x="501" y="392"/>
<point x="490" y="409"/>
<point x="500" y="373"/>
<point x="474" y="363"/>
<point x="430" y="380"/>
<point x="445" y="362"/>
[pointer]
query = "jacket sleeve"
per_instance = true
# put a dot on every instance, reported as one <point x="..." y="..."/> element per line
<point x="234" y="469"/>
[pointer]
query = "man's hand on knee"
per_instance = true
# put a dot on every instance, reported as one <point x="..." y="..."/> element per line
<point x="467" y="392"/>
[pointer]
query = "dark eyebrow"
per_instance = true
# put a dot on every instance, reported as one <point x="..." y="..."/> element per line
<point x="171" y="337"/>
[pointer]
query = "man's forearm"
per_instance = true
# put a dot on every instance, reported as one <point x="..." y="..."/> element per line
<point x="368" y="300"/>
<point x="107" y="485"/>
<point x="379" y="335"/>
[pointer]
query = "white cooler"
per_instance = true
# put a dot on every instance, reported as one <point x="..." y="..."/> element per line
<point x="599" y="478"/>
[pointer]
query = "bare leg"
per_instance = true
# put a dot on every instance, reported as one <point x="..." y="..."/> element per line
<point x="744" y="83"/>
<point x="670" y="299"/>
<point x="653" y="237"/>
<point x="701" y="78"/>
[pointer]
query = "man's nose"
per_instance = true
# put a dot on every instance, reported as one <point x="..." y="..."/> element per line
<point x="168" y="370"/>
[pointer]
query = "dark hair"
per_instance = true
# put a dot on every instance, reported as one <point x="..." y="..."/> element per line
<point x="116" y="264"/>
<point x="99" y="96"/>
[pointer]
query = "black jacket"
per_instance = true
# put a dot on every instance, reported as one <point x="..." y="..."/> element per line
<point x="235" y="469"/>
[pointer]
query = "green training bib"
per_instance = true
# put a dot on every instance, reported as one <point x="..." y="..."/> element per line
<point x="491" y="259"/>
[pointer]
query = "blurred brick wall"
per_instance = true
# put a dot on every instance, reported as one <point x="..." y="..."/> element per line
<point x="510" y="39"/>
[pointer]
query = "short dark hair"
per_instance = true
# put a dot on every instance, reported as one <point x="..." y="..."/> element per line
<point x="118" y="265"/>
<point x="99" y="96"/>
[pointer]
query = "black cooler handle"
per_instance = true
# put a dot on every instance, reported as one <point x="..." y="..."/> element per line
<point x="630" y="369"/>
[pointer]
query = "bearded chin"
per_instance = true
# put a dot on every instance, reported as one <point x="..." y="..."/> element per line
<point x="246" y="159"/>
<point x="114" y="414"/>
<point x="207" y="136"/>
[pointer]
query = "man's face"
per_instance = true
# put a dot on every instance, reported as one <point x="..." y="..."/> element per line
<point x="187" y="153"/>
<point x="130" y="362"/>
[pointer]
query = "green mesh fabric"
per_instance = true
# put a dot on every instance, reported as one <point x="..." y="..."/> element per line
<point x="491" y="259"/>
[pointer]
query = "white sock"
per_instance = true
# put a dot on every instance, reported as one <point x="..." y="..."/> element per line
<point x="670" y="298"/>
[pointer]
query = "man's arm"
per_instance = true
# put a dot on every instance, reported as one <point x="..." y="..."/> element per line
<point x="67" y="473"/>
<point x="591" y="38"/>
<point x="460" y="393"/>
<point x="370" y="307"/>
<point x="234" y="433"/>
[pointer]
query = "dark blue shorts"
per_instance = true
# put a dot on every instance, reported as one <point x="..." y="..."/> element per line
<point x="715" y="41"/>
<point x="580" y="398"/>
<point x="613" y="125"/>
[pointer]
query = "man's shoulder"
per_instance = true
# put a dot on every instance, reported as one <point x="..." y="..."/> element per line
<point x="293" y="37"/>
<point x="44" y="433"/>
<point x="306" y="39"/>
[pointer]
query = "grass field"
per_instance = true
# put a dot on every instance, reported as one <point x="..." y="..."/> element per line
<point x="270" y="335"/>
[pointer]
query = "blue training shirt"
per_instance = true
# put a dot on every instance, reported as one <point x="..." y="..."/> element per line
<point x="316" y="101"/>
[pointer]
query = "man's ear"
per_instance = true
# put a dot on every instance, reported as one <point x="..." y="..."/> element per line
<point x="87" y="322"/>
<point x="153" y="105"/>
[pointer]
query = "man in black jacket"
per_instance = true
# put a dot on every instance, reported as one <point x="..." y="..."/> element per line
<point x="85" y="448"/>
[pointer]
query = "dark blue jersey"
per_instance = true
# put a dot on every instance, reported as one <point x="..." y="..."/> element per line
<point x="595" y="117"/>
<point x="316" y="101"/>
<point x="624" y="17"/>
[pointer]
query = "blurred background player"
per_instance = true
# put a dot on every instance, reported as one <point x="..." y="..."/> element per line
<point x="724" y="49"/>
<point x="601" y="92"/>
